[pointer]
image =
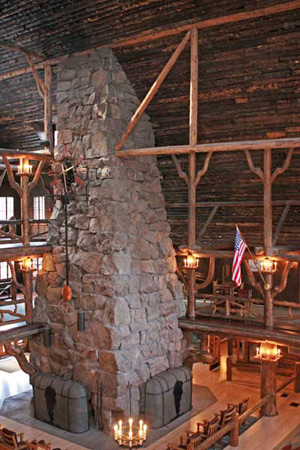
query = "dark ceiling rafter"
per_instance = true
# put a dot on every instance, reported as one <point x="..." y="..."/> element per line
<point x="161" y="32"/>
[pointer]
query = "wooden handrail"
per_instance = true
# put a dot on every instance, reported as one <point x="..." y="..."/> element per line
<point x="286" y="383"/>
<point x="258" y="301"/>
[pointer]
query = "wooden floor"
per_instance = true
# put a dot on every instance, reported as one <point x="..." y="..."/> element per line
<point x="266" y="434"/>
<point x="33" y="433"/>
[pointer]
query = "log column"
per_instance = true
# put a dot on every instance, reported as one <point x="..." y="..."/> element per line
<point x="25" y="209"/>
<point x="193" y="136"/>
<point x="268" y="386"/>
<point x="48" y="107"/>
<point x="268" y="305"/>
<point x="27" y="281"/>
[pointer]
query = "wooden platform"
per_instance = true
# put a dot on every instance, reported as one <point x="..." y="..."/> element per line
<point x="287" y="335"/>
<point x="22" y="332"/>
<point x="12" y="251"/>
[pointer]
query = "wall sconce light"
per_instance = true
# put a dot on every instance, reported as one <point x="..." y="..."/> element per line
<point x="81" y="321"/>
<point x="268" y="352"/>
<point x="47" y="337"/>
<point x="191" y="262"/>
<point x="24" y="168"/>
<point x="268" y="266"/>
<point x="26" y="265"/>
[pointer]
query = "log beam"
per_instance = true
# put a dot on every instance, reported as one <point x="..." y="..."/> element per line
<point x="154" y="88"/>
<point x="13" y="154"/>
<point x="10" y="253"/>
<point x="237" y="146"/>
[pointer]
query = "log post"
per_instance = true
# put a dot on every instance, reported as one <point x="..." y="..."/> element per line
<point x="230" y="344"/>
<point x="27" y="281"/>
<point x="234" y="435"/>
<point x="297" y="379"/>
<point x="48" y="107"/>
<point x="268" y="386"/>
<point x="268" y="308"/>
<point x="229" y="368"/>
<point x="25" y="209"/>
<point x="193" y="136"/>
<point x="245" y="351"/>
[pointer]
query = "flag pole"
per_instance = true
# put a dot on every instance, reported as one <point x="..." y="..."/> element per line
<point x="252" y="256"/>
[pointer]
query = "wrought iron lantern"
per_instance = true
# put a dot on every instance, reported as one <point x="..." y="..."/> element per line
<point x="190" y="262"/>
<point x="26" y="265"/>
<point x="268" y="266"/>
<point x="268" y="352"/>
<point x="24" y="168"/>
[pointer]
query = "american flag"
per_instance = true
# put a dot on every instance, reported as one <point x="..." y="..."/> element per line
<point x="239" y="250"/>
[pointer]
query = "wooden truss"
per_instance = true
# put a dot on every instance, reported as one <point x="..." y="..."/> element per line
<point x="192" y="178"/>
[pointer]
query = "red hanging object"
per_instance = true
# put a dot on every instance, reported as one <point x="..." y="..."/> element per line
<point x="66" y="293"/>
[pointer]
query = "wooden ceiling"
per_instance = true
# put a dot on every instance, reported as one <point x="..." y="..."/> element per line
<point x="249" y="88"/>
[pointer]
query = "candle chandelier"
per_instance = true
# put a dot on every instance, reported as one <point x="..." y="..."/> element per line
<point x="130" y="435"/>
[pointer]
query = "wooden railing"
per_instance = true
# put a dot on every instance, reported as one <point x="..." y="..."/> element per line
<point x="238" y="307"/>
<point x="37" y="228"/>
<point x="232" y="427"/>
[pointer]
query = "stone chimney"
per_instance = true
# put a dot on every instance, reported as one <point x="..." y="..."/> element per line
<point x="122" y="260"/>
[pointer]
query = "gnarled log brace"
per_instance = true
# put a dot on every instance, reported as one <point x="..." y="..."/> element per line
<point x="210" y="275"/>
<point x="284" y="277"/>
<point x="18" y="353"/>
<point x="255" y="284"/>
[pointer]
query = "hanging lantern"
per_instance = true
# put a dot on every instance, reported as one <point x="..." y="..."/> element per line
<point x="190" y="262"/>
<point x="24" y="168"/>
<point x="268" y="352"/>
<point x="268" y="266"/>
<point x="26" y="265"/>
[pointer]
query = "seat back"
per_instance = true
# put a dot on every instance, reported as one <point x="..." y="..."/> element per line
<point x="212" y="426"/>
<point x="34" y="445"/>
<point x="243" y="406"/>
<point x="226" y="415"/>
<point x="9" y="438"/>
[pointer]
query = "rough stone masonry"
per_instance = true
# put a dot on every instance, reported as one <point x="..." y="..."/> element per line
<point x="122" y="259"/>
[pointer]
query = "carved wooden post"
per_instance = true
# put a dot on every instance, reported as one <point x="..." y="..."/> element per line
<point x="192" y="166"/>
<point x="268" y="386"/>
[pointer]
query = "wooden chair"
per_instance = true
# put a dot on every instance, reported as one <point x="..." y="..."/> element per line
<point x="40" y="445"/>
<point x="240" y="407"/>
<point x="225" y="415"/>
<point x="205" y="429"/>
<point x="11" y="440"/>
